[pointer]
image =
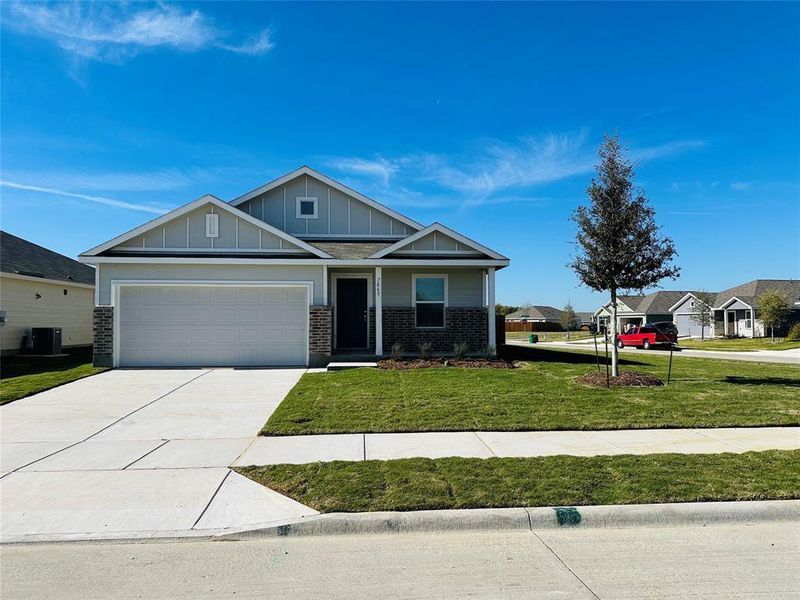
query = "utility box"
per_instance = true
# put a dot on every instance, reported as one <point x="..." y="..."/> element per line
<point x="46" y="340"/>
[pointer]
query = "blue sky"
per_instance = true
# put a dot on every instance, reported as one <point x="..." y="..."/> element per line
<point x="485" y="117"/>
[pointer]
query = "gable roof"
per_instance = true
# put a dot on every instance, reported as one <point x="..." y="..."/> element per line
<point x="539" y="312"/>
<point x="659" y="303"/>
<point x="750" y="292"/>
<point x="351" y="250"/>
<point x="202" y="201"/>
<point x="21" y="257"/>
<point x="438" y="227"/>
<point x="306" y="170"/>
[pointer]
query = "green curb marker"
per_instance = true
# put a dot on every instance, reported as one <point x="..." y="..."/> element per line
<point x="568" y="516"/>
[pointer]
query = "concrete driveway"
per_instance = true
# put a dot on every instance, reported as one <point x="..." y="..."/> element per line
<point x="139" y="453"/>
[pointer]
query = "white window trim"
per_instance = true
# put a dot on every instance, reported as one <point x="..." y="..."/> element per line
<point x="445" y="303"/>
<point x="300" y="200"/>
<point x="212" y="225"/>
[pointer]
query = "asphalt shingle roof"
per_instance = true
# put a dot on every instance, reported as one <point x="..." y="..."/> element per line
<point x="351" y="250"/>
<point x="26" y="258"/>
<point x="751" y="291"/>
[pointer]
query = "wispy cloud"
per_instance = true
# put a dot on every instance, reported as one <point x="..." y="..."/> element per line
<point x="95" y="199"/>
<point x="740" y="186"/>
<point x="161" y="180"/>
<point x="494" y="167"/>
<point x="115" y="32"/>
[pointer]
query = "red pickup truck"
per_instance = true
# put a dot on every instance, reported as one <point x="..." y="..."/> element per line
<point x="645" y="337"/>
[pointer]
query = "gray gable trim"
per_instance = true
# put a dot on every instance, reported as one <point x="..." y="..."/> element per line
<point x="21" y="257"/>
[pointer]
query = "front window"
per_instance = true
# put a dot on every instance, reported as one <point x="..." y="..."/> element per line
<point x="429" y="299"/>
<point x="748" y="323"/>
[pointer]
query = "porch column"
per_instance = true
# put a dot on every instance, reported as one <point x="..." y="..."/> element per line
<point x="491" y="309"/>
<point x="379" y="311"/>
<point x="725" y="321"/>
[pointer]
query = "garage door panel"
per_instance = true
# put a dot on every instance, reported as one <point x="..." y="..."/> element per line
<point x="212" y="326"/>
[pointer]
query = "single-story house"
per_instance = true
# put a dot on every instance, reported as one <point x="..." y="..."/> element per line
<point x="41" y="288"/>
<point x="586" y="320"/>
<point x="641" y="309"/>
<point x="736" y="309"/>
<point x="290" y="273"/>
<point x="535" y="314"/>
<point x="683" y="311"/>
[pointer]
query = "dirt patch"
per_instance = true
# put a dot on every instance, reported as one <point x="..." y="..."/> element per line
<point x="438" y="363"/>
<point x="625" y="379"/>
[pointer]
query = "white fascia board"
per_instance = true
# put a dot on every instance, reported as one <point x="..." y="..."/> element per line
<point x="732" y="299"/>
<point x="306" y="170"/>
<point x="202" y="201"/>
<point x="61" y="282"/>
<point x="441" y="229"/>
<point x="331" y="262"/>
<point x="681" y="301"/>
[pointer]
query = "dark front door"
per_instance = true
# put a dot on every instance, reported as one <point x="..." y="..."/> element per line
<point x="351" y="313"/>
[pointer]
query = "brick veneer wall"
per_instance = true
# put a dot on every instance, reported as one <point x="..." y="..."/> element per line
<point x="461" y="325"/>
<point x="320" y="334"/>
<point x="103" y="332"/>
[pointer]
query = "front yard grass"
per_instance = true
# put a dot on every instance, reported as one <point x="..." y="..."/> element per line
<point x="542" y="395"/>
<point x="23" y="376"/>
<point x="738" y="345"/>
<point x="445" y="483"/>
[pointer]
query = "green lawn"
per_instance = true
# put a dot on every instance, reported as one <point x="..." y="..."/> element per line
<point x="423" y="483"/>
<point x="22" y="376"/>
<point x="738" y="345"/>
<point x="542" y="395"/>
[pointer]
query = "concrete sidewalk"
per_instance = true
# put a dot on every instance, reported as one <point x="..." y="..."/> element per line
<point x="139" y="453"/>
<point x="790" y="357"/>
<point x="485" y="444"/>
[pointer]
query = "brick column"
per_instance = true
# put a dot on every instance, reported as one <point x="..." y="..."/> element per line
<point x="320" y="335"/>
<point x="103" y="331"/>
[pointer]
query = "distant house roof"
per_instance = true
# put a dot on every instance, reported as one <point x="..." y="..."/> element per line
<point x="22" y="257"/>
<point x="535" y="313"/>
<point x="655" y="303"/>
<point x="750" y="292"/>
<point x="585" y="317"/>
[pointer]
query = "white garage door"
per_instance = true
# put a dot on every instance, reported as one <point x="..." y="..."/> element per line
<point x="686" y="326"/>
<point x="183" y="326"/>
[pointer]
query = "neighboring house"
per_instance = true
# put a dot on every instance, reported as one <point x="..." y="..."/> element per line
<point x="638" y="310"/>
<point x="290" y="273"/>
<point x="586" y="320"/>
<point x="736" y="309"/>
<point x="535" y="314"/>
<point x="682" y="315"/>
<point x="41" y="288"/>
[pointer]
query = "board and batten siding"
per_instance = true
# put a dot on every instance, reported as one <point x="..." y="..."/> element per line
<point x="465" y="285"/>
<point x="189" y="232"/>
<point x="73" y="312"/>
<point x="337" y="213"/>
<point x="199" y="272"/>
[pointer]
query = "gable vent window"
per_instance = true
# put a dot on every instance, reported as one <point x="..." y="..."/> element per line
<point x="212" y="225"/>
<point x="307" y="207"/>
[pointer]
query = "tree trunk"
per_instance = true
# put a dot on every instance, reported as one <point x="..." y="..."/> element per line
<point x="614" y="349"/>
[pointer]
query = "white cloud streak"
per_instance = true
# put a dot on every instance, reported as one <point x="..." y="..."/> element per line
<point x="86" y="197"/>
<point x="496" y="167"/>
<point x="115" y="32"/>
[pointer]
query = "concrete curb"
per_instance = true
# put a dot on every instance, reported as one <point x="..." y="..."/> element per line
<point x="528" y="519"/>
<point x="480" y="519"/>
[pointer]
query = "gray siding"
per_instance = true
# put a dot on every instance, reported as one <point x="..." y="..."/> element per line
<point x="189" y="232"/>
<point x="191" y="272"/>
<point x="337" y="213"/>
<point x="465" y="286"/>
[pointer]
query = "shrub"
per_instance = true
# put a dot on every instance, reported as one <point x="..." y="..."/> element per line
<point x="794" y="333"/>
<point x="488" y="352"/>
<point x="396" y="351"/>
<point x="460" y="350"/>
<point x="425" y="350"/>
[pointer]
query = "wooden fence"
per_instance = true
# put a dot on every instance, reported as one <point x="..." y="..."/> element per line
<point x="531" y="326"/>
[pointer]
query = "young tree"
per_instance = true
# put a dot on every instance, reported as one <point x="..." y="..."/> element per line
<point x="773" y="310"/>
<point x="701" y="313"/>
<point x="568" y="319"/>
<point x="505" y="309"/>
<point x="619" y="244"/>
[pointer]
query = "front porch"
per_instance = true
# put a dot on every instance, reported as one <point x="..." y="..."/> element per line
<point x="367" y="310"/>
